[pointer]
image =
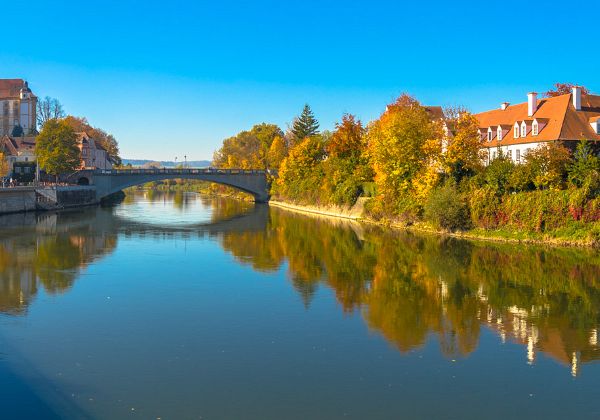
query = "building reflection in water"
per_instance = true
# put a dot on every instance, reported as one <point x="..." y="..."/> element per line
<point x="406" y="287"/>
<point x="48" y="251"/>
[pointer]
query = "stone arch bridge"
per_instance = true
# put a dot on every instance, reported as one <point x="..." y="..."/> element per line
<point x="109" y="181"/>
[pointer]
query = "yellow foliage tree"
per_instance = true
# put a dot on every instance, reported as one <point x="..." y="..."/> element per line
<point x="463" y="154"/>
<point x="4" y="166"/>
<point x="400" y="145"/>
<point x="276" y="153"/>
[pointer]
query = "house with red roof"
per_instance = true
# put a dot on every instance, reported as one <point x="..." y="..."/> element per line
<point x="514" y="130"/>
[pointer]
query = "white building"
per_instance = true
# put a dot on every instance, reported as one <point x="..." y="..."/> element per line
<point x="514" y="130"/>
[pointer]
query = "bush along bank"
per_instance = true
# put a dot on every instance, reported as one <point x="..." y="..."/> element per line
<point x="411" y="173"/>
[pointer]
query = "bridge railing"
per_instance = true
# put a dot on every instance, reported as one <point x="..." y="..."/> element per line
<point x="179" y="171"/>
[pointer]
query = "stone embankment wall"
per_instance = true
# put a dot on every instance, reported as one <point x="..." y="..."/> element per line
<point x="71" y="196"/>
<point x="14" y="200"/>
<point x="355" y="212"/>
<point x="23" y="199"/>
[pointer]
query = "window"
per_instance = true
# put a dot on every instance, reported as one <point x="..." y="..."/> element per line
<point x="489" y="136"/>
<point x="493" y="155"/>
<point x="534" y="128"/>
<point x="509" y="154"/>
<point x="523" y="129"/>
<point x="499" y="133"/>
<point x="516" y="133"/>
<point x="518" y="155"/>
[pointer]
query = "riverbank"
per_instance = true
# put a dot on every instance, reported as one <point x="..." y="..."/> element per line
<point x="578" y="234"/>
<point x="46" y="198"/>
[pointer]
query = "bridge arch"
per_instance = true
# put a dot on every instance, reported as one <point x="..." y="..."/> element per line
<point x="108" y="182"/>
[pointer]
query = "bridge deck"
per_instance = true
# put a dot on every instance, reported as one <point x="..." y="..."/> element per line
<point x="179" y="171"/>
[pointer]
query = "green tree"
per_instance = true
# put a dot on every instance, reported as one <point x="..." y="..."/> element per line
<point x="306" y="125"/>
<point x="17" y="131"/>
<point x="549" y="163"/>
<point x="585" y="166"/>
<point x="498" y="173"/>
<point x="56" y="148"/>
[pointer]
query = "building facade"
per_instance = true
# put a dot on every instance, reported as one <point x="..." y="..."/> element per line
<point x="93" y="155"/>
<point x="17" y="108"/>
<point x="514" y="130"/>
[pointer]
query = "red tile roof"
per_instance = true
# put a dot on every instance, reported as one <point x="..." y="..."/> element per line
<point x="563" y="121"/>
<point x="10" y="88"/>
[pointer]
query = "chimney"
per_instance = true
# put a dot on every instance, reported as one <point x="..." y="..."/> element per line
<point x="504" y="105"/>
<point x="577" y="97"/>
<point x="531" y="103"/>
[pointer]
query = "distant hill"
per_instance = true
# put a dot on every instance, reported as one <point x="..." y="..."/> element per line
<point x="168" y="164"/>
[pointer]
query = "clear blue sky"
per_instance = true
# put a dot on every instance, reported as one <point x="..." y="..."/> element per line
<point x="174" y="78"/>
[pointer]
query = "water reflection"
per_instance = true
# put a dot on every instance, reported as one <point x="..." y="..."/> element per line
<point x="48" y="251"/>
<point x="406" y="287"/>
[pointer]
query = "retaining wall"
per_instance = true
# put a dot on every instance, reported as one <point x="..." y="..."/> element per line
<point x="14" y="200"/>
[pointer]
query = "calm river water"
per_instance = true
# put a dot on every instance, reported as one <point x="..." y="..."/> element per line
<point x="179" y="306"/>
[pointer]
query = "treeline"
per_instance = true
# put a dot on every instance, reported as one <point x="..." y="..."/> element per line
<point x="418" y="167"/>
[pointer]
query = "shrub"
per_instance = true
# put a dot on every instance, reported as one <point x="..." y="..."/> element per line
<point x="498" y="173"/>
<point x="484" y="204"/>
<point x="445" y="209"/>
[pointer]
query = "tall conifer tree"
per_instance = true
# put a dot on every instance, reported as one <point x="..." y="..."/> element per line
<point x="306" y="125"/>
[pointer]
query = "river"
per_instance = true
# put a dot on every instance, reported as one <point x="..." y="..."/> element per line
<point x="178" y="305"/>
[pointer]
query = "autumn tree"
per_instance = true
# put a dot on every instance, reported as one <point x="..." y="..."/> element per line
<point x="401" y="144"/>
<point x="248" y="149"/>
<point x="346" y="167"/>
<point x="347" y="139"/>
<point x="305" y="125"/>
<point x="56" y="148"/>
<point x="4" y="165"/>
<point x="463" y="156"/>
<point x="106" y="140"/>
<point x="48" y="109"/>
<point x="300" y="174"/>
<point x="276" y="153"/>
<point x="563" y="89"/>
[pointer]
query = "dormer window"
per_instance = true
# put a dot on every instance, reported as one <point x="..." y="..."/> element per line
<point x="499" y="133"/>
<point x="516" y="130"/>
<point x="523" y="129"/>
<point x="491" y="134"/>
<point x="535" y="128"/>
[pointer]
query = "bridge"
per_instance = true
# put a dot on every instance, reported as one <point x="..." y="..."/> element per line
<point x="109" y="181"/>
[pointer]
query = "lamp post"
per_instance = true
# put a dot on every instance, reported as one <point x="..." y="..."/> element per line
<point x="185" y="161"/>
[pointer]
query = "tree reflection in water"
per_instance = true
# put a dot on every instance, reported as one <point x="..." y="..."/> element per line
<point x="409" y="286"/>
<point x="406" y="287"/>
<point x="49" y="251"/>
